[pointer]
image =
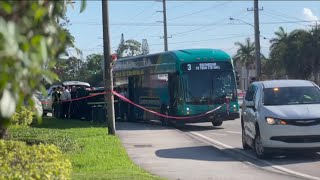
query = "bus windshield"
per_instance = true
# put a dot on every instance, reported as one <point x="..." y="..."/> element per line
<point x="209" y="87"/>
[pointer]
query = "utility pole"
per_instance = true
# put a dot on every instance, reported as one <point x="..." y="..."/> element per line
<point x="165" y="26"/>
<point x="108" y="79"/>
<point x="257" y="39"/>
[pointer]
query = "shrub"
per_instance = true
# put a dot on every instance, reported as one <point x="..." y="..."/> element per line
<point x="20" y="161"/>
<point x="23" y="116"/>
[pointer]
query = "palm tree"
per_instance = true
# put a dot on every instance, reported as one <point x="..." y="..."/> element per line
<point x="312" y="45"/>
<point x="281" y="37"/>
<point x="279" y="52"/>
<point x="245" y="54"/>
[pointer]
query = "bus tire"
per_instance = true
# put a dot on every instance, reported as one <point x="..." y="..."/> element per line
<point x="217" y="123"/>
<point x="164" y="121"/>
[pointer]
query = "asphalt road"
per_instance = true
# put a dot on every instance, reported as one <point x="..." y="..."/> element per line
<point x="228" y="138"/>
<point x="177" y="155"/>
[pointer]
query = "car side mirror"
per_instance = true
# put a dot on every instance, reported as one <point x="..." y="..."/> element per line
<point x="250" y="104"/>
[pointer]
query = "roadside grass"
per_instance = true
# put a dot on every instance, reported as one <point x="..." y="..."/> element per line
<point x="94" y="154"/>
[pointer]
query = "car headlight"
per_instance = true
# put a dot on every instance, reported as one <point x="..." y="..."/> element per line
<point x="275" y="121"/>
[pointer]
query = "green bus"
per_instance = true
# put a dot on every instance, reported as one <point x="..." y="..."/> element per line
<point x="180" y="83"/>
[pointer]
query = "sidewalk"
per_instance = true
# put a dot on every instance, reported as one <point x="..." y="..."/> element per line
<point x="171" y="154"/>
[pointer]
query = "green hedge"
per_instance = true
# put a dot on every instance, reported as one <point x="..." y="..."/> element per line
<point x="23" y="116"/>
<point x="21" y="161"/>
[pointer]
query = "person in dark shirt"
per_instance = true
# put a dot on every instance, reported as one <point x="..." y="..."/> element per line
<point x="74" y="104"/>
<point x="73" y="92"/>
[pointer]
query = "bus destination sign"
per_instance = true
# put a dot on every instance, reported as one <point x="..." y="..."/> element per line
<point x="203" y="66"/>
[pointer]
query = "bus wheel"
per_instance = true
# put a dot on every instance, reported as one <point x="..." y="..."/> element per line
<point x="178" y="124"/>
<point x="165" y="121"/>
<point x="217" y="123"/>
<point x="125" y="117"/>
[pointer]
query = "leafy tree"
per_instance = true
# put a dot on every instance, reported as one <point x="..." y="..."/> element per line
<point x="313" y="45"/>
<point x="145" y="47"/>
<point x="69" y="69"/>
<point x="30" y="40"/>
<point x="94" y="68"/>
<point x="132" y="47"/>
<point x="129" y="47"/>
<point x="296" y="54"/>
<point x="121" y="47"/>
<point x="245" y="54"/>
<point x="278" y="53"/>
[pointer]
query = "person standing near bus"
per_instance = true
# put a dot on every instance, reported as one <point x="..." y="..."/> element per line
<point x="124" y="105"/>
<point x="65" y="97"/>
<point x="54" y="98"/>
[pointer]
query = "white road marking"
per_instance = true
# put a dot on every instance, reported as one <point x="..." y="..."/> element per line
<point x="234" y="132"/>
<point x="225" y="146"/>
<point x="219" y="134"/>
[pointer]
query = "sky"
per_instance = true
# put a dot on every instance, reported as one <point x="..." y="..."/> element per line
<point x="191" y="24"/>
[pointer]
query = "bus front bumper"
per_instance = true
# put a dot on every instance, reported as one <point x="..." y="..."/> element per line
<point x="221" y="116"/>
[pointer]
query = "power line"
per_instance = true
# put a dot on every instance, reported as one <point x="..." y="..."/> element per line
<point x="150" y="25"/>
<point x="200" y="11"/>
<point x="284" y="15"/>
<point x="204" y="40"/>
<point x="181" y="5"/>
<point x="202" y="26"/>
<point x="198" y="24"/>
<point x="143" y="20"/>
<point x="277" y="17"/>
<point x="142" y="11"/>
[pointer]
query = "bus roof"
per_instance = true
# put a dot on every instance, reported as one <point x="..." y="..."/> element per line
<point x="171" y="59"/>
<point x="201" y="54"/>
<point x="188" y="54"/>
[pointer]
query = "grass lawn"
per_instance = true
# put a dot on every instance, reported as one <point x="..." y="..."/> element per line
<point x="94" y="155"/>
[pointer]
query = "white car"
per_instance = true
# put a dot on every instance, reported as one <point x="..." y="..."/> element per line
<point x="281" y="115"/>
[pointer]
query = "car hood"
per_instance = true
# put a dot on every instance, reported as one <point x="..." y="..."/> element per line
<point x="300" y="111"/>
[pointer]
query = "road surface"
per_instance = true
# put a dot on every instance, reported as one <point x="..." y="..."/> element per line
<point x="228" y="138"/>
<point x="201" y="151"/>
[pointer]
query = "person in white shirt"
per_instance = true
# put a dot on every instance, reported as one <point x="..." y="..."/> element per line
<point x="65" y="96"/>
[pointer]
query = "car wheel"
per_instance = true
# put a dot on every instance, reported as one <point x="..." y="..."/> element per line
<point x="258" y="146"/>
<point x="217" y="123"/>
<point x="244" y="143"/>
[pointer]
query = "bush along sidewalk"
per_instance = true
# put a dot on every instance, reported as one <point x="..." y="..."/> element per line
<point x="21" y="161"/>
<point x="92" y="153"/>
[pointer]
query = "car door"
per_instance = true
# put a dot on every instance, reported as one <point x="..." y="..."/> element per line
<point x="248" y="112"/>
<point x="255" y="112"/>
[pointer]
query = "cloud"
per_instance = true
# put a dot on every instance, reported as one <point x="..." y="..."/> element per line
<point x="308" y="15"/>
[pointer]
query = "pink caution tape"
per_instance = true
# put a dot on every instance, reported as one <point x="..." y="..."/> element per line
<point x="148" y="110"/>
<point x="163" y="115"/>
<point x="86" y="97"/>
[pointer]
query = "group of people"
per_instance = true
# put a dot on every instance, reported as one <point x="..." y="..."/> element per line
<point x="63" y="105"/>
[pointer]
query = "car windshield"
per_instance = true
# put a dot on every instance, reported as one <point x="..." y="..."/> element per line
<point x="291" y="95"/>
<point x="209" y="86"/>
